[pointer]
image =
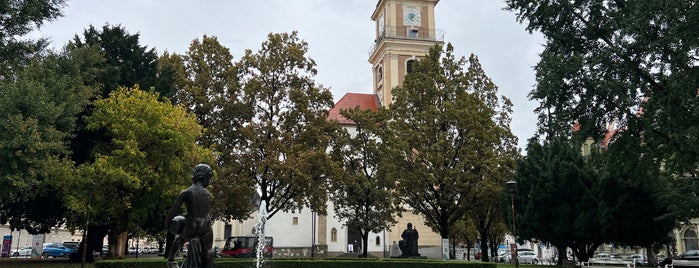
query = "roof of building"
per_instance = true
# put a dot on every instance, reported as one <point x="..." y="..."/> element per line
<point x="352" y="100"/>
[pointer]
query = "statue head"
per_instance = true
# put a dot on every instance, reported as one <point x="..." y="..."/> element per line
<point x="410" y="225"/>
<point x="202" y="173"/>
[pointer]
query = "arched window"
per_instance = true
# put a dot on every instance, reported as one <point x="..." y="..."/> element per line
<point x="409" y="66"/>
<point x="333" y="235"/>
<point x="378" y="240"/>
<point x="379" y="73"/>
<point x="690" y="240"/>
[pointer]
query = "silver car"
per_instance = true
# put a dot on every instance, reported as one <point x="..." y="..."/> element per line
<point x="23" y="251"/>
<point x="528" y="257"/>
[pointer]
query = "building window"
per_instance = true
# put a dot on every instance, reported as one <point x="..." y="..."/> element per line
<point x="690" y="240"/>
<point x="227" y="231"/>
<point x="378" y="240"/>
<point x="409" y="66"/>
<point x="295" y="221"/>
<point x="333" y="235"/>
<point x="379" y="73"/>
<point x="413" y="33"/>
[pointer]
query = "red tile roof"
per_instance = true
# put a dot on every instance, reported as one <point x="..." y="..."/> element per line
<point x="352" y="100"/>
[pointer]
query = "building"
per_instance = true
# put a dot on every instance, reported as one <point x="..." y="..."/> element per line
<point x="405" y="31"/>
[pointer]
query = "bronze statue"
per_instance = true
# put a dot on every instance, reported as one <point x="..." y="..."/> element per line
<point x="195" y="227"/>
<point x="408" y="246"/>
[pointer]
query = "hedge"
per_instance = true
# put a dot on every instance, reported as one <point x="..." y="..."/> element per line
<point x="301" y="263"/>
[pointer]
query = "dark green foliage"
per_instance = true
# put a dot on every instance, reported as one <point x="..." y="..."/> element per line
<point x="38" y="112"/>
<point x="127" y="62"/>
<point x="634" y="64"/>
<point x="18" y="18"/>
<point x="556" y="198"/>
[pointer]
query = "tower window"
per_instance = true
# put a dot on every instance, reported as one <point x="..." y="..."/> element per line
<point x="409" y="66"/>
<point x="295" y="221"/>
<point x="379" y="73"/>
<point x="333" y="235"/>
<point x="413" y="33"/>
<point x="378" y="240"/>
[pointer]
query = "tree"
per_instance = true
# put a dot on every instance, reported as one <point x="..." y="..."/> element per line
<point x="448" y="136"/>
<point x="282" y="149"/>
<point x="38" y="113"/>
<point x="557" y="198"/>
<point x="463" y="231"/>
<point x="20" y="18"/>
<point x="127" y="62"/>
<point x="639" y="214"/>
<point x="135" y="177"/>
<point x="209" y="88"/>
<point x="608" y="62"/>
<point x="362" y="195"/>
<point x="486" y="216"/>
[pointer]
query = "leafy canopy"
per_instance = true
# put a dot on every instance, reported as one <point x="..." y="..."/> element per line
<point x="449" y="137"/>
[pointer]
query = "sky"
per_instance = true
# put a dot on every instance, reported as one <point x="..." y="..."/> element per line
<point x="339" y="34"/>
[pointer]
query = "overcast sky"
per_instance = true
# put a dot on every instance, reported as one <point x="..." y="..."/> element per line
<point x="339" y="34"/>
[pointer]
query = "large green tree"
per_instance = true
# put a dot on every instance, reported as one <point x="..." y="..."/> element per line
<point x="18" y="18"/>
<point x="361" y="194"/>
<point x="38" y="113"/>
<point x="136" y="176"/>
<point x="208" y="84"/>
<point x="611" y="61"/>
<point x="448" y="136"/>
<point x="557" y="198"/>
<point x="282" y="149"/>
<point x="633" y="191"/>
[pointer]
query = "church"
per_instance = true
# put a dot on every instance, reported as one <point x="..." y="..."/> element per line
<point x="405" y="31"/>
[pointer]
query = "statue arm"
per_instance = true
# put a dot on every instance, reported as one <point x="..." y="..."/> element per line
<point x="175" y="207"/>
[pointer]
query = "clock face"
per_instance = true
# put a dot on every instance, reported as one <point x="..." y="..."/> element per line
<point x="411" y="16"/>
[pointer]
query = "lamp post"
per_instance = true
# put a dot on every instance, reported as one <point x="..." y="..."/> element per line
<point x="511" y="184"/>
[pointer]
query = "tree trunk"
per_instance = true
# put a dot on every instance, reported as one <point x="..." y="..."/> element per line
<point x="562" y="254"/>
<point x="120" y="247"/>
<point x="485" y="257"/>
<point x="365" y="243"/>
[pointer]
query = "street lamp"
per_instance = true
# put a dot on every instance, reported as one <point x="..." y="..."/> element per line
<point x="511" y="184"/>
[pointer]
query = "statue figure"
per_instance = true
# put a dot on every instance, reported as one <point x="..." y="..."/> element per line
<point x="195" y="227"/>
<point x="408" y="246"/>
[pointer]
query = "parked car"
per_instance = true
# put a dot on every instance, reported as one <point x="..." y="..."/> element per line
<point x="506" y="256"/>
<point x="528" y="257"/>
<point x="133" y="251"/>
<point x="689" y="255"/>
<point x="607" y="256"/>
<point x="687" y="259"/>
<point x="638" y="259"/>
<point x="57" y="250"/>
<point x="23" y="251"/>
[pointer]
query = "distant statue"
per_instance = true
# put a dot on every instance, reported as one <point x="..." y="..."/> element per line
<point x="195" y="227"/>
<point x="408" y="246"/>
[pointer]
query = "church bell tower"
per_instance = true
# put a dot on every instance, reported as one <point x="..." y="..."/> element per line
<point x="405" y="31"/>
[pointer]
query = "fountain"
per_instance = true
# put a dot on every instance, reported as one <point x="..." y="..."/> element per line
<point x="260" y="232"/>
